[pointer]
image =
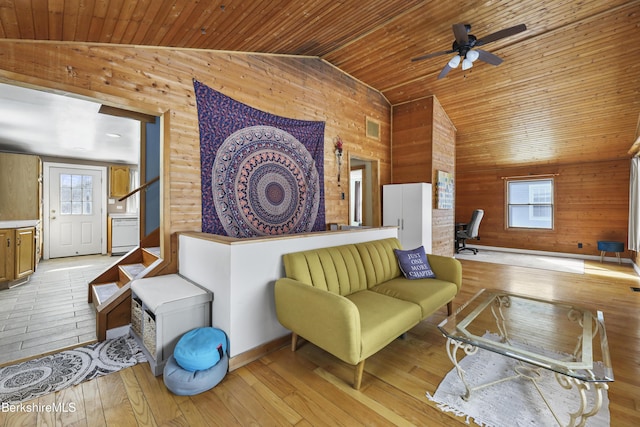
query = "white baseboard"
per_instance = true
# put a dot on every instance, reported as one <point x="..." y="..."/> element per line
<point x="548" y="253"/>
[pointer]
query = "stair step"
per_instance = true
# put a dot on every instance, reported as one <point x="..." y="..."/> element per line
<point x="150" y="255"/>
<point x="103" y="292"/>
<point x="132" y="270"/>
<point x="154" y="251"/>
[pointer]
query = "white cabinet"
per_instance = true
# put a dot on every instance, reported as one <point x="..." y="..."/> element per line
<point x="163" y="308"/>
<point x="408" y="206"/>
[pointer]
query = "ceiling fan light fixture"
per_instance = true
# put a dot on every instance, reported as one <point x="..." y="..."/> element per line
<point x="472" y="55"/>
<point x="455" y="61"/>
<point x="463" y="44"/>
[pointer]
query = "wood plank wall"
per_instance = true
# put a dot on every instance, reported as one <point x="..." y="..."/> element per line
<point x="423" y="142"/>
<point x="443" y="159"/>
<point x="412" y="141"/>
<point x="159" y="81"/>
<point x="590" y="205"/>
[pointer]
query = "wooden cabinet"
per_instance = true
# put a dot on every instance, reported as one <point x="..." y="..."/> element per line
<point x="25" y="250"/>
<point x="17" y="253"/>
<point x="20" y="209"/>
<point x="118" y="181"/>
<point x="20" y="187"/>
<point x="6" y="254"/>
<point x="408" y="207"/>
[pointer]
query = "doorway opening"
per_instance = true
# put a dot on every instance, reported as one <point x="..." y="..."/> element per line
<point x="364" y="192"/>
<point x="78" y="167"/>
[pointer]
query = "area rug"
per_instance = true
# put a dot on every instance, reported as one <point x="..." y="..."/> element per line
<point x="510" y="403"/>
<point x="544" y="262"/>
<point x="48" y="374"/>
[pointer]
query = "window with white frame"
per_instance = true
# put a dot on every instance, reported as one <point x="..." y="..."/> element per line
<point x="530" y="203"/>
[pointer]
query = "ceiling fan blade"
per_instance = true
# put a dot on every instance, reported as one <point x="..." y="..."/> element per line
<point x="431" y="55"/>
<point x="488" y="57"/>
<point x="460" y="31"/>
<point x="501" y="34"/>
<point x="444" y="71"/>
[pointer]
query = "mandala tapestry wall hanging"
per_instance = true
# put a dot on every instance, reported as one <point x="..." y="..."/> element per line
<point x="261" y="174"/>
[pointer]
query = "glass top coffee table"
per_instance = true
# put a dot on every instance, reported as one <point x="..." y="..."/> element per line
<point x="569" y="340"/>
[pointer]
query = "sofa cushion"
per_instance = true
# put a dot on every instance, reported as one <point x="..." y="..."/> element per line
<point x="336" y="269"/>
<point x="414" y="264"/>
<point x="429" y="294"/>
<point x="379" y="261"/>
<point x="382" y="319"/>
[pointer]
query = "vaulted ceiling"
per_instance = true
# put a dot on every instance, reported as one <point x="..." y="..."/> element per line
<point x="568" y="89"/>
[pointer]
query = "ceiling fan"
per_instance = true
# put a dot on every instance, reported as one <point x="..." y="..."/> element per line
<point x="465" y="45"/>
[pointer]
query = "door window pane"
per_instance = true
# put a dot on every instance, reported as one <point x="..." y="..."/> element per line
<point x="76" y="208"/>
<point x="65" y="194"/>
<point x="76" y="194"/>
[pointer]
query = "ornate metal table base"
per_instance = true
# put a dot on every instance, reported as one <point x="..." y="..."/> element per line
<point x="531" y="373"/>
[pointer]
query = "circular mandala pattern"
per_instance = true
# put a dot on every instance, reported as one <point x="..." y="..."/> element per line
<point x="37" y="377"/>
<point x="274" y="193"/>
<point x="265" y="182"/>
<point x="26" y="378"/>
<point x="43" y="375"/>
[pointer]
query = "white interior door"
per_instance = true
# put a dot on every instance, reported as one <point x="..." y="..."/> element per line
<point x="74" y="210"/>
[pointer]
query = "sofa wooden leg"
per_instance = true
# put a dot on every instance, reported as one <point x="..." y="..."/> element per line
<point x="294" y="341"/>
<point x="357" y="380"/>
<point x="449" y="308"/>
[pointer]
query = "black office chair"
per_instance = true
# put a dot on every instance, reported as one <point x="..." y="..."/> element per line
<point x="470" y="231"/>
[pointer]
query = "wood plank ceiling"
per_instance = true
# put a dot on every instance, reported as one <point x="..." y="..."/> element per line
<point x="568" y="90"/>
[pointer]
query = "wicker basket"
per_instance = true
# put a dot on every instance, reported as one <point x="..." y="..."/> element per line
<point x="149" y="333"/>
<point x="136" y="316"/>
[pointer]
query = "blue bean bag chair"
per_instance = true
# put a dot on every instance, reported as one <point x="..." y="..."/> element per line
<point x="186" y="383"/>
<point x="200" y="348"/>
<point x="199" y="362"/>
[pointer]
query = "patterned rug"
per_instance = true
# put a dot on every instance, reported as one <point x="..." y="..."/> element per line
<point x="48" y="374"/>
<point x="510" y="403"/>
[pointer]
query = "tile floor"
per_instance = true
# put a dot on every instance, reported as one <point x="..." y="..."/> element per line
<point x="51" y="311"/>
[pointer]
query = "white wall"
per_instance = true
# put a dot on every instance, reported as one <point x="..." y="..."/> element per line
<point x="241" y="274"/>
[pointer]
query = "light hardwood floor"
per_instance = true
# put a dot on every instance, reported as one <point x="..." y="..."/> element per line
<point x="50" y="311"/>
<point x="311" y="388"/>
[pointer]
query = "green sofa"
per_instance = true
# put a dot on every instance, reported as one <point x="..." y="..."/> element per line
<point x="353" y="300"/>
